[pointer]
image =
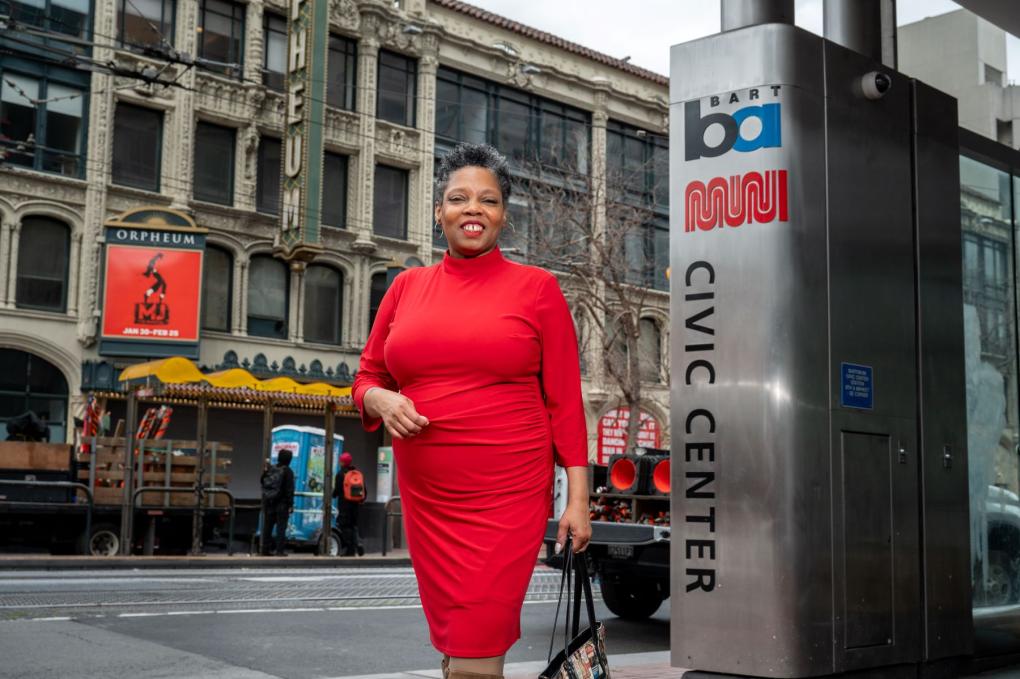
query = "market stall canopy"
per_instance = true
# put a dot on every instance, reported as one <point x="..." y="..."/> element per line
<point x="182" y="377"/>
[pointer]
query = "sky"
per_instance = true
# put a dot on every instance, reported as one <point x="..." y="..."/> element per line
<point x="652" y="26"/>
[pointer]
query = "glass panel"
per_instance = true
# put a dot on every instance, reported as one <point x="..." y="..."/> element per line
<point x="42" y="264"/>
<point x="268" y="293"/>
<point x="28" y="11"/>
<point x="322" y="304"/>
<point x="397" y="87"/>
<point x="268" y="180"/>
<point x="551" y="148"/>
<point x="512" y="139"/>
<point x="13" y="371"/>
<point x="661" y="256"/>
<point x="17" y="115"/>
<point x="334" y="194"/>
<point x="146" y="22"/>
<point x="577" y="151"/>
<point x="137" y="135"/>
<point x="390" y="209"/>
<point x="448" y="110"/>
<point x="222" y="28"/>
<point x="340" y="70"/>
<point x="649" y="350"/>
<point x="63" y="130"/>
<point x="69" y="16"/>
<point x="274" y="66"/>
<point x="475" y="107"/>
<point x="660" y="173"/>
<point x="45" y="378"/>
<point x="217" y="284"/>
<point x="990" y="353"/>
<point x="214" y="163"/>
<point x="514" y="241"/>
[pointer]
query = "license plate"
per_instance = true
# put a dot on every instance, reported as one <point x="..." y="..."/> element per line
<point x="621" y="551"/>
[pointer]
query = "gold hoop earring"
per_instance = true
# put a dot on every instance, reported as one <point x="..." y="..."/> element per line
<point x="511" y="225"/>
<point x="438" y="228"/>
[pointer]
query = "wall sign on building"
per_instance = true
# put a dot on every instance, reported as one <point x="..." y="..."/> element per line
<point x="301" y="170"/>
<point x="613" y="433"/>
<point x="152" y="285"/>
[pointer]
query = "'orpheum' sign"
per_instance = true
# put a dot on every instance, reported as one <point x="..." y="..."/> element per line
<point x="152" y="285"/>
<point x="301" y="170"/>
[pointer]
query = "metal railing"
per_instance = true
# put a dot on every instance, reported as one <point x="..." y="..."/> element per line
<point x="388" y="514"/>
<point x="203" y="491"/>
<point x="57" y="484"/>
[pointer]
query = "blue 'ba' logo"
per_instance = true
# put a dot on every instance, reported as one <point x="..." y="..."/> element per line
<point x="695" y="126"/>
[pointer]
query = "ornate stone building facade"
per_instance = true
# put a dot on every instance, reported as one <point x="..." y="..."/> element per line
<point x="382" y="142"/>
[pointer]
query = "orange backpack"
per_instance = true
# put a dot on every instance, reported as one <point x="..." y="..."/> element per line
<point x="354" y="486"/>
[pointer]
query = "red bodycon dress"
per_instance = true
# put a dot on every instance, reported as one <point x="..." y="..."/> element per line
<point x="486" y="350"/>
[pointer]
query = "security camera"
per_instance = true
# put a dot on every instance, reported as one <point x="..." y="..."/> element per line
<point x="874" y="85"/>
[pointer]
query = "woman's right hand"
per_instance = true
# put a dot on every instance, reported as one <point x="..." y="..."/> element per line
<point x="397" y="412"/>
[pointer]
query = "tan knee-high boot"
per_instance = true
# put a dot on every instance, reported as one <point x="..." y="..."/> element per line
<point x="461" y="674"/>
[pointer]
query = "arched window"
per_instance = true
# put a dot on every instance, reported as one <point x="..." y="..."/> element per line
<point x="42" y="264"/>
<point x="323" y="300"/>
<point x="28" y="382"/>
<point x="217" y="288"/>
<point x="649" y="350"/>
<point x="268" y="297"/>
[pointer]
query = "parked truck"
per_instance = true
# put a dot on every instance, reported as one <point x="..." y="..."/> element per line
<point x="41" y="507"/>
<point x="629" y="548"/>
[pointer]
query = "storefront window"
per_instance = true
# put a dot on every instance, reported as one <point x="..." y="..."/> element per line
<point x="989" y="315"/>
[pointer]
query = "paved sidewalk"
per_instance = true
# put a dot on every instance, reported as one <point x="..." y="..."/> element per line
<point x="625" y="666"/>
<point x="8" y="562"/>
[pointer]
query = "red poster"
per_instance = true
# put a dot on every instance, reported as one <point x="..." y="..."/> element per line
<point x="152" y="293"/>
<point x="613" y="433"/>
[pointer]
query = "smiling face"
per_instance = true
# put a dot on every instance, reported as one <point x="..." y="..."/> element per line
<point x="472" y="212"/>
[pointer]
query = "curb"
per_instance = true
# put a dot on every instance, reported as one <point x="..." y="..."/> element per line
<point x="71" y="563"/>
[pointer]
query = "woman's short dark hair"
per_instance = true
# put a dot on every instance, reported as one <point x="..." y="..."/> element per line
<point x="473" y="155"/>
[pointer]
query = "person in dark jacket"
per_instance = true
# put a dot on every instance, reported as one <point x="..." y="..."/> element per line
<point x="277" y="505"/>
<point x="347" y="521"/>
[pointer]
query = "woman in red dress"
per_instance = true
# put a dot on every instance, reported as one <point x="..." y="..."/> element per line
<point x="472" y="366"/>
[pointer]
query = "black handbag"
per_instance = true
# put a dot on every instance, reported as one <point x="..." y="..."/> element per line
<point x="584" y="654"/>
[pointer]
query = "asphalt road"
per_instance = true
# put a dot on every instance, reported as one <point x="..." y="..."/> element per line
<point x="234" y="624"/>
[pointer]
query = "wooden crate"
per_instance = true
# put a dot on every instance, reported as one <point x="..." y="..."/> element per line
<point x="160" y="463"/>
<point x="34" y="456"/>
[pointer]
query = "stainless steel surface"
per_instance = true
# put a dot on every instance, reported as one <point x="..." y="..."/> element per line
<point x="797" y="548"/>
<point x="742" y="13"/>
<point x="871" y="322"/>
<point x="943" y="428"/>
<point x="736" y="60"/>
<point x="748" y="329"/>
<point x="890" y="42"/>
<point x="856" y="25"/>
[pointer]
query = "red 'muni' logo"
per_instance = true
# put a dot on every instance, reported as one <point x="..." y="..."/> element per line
<point x="741" y="199"/>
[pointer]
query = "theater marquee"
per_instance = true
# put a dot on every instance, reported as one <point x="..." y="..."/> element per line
<point x="152" y="285"/>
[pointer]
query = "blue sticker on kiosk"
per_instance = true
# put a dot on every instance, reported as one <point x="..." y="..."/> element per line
<point x="856" y="387"/>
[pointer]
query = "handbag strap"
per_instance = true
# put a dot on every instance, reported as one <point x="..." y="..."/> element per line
<point x="564" y="584"/>
<point x="574" y="566"/>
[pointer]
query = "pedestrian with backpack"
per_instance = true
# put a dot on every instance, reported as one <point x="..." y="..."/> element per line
<point x="349" y="490"/>
<point x="277" y="502"/>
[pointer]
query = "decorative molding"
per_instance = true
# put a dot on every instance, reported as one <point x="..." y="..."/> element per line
<point x="398" y="142"/>
<point x="344" y="14"/>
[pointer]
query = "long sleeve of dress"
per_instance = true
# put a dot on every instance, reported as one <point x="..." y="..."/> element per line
<point x="372" y="370"/>
<point x="561" y="376"/>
